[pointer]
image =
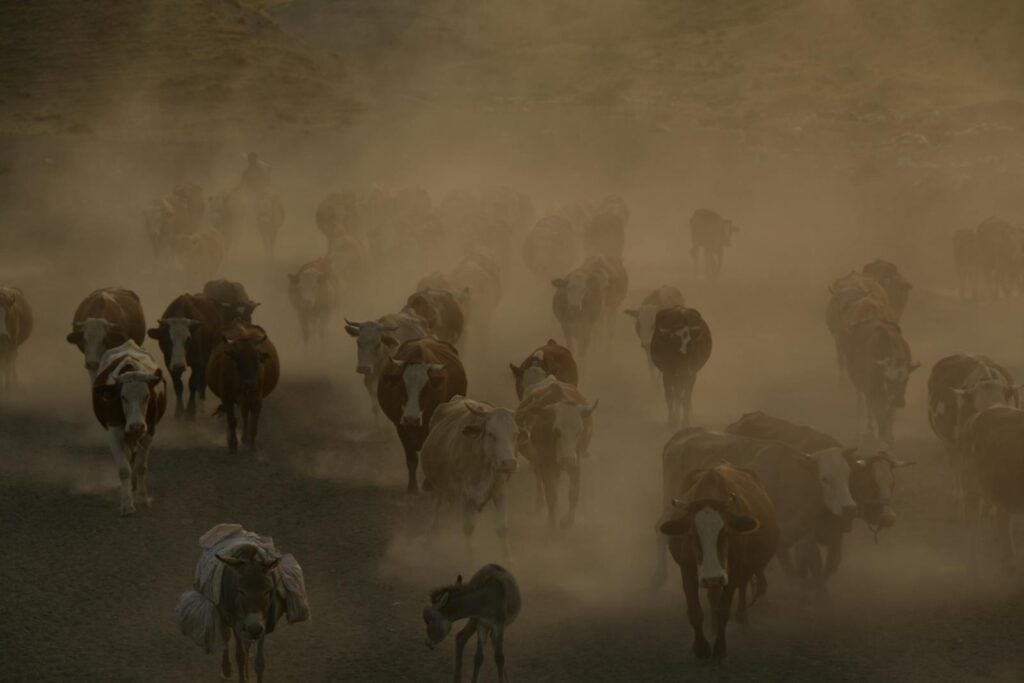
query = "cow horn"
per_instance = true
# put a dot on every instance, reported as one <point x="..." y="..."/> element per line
<point x="78" y="324"/>
<point x="678" y="503"/>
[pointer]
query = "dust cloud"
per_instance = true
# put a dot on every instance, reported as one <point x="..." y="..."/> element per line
<point x="832" y="132"/>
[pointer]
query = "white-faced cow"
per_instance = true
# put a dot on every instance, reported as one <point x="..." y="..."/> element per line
<point x="587" y="295"/>
<point x="129" y="397"/>
<point x="661" y="298"/>
<point x="105" y="319"/>
<point x="468" y="457"/>
<point x="314" y="292"/>
<point x="680" y="346"/>
<point x="15" y="328"/>
<point x="423" y="374"/>
<point x="187" y="332"/>
<point x="376" y="342"/>
<point x="552" y="359"/>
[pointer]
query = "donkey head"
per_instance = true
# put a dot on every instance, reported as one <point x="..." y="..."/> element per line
<point x="254" y="601"/>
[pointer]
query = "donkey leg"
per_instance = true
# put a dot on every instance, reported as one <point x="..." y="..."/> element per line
<point x="241" y="661"/>
<point x="460" y="645"/>
<point x="115" y="437"/>
<point x="499" y="653"/>
<point x="260" y="662"/>
<point x="478" y="659"/>
<point x="225" y="659"/>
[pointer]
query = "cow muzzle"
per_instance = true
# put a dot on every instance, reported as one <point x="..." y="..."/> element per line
<point x="508" y="466"/>
<point x="135" y="429"/>
<point x="412" y="420"/>
<point x="714" y="581"/>
<point x="254" y="631"/>
<point x="91" y="365"/>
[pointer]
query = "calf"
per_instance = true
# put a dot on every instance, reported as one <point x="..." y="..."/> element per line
<point x="680" y="346"/>
<point x="16" y="324"/>
<point x="187" y="332"/>
<point x="468" y="457"/>
<point x="423" y="374"/>
<point x="376" y="342"/>
<point x="129" y="396"/>
<point x="880" y="366"/>
<point x="314" y="292"/>
<point x="550" y="359"/>
<point x="490" y="601"/>
<point x="105" y="319"/>
<point x="243" y="369"/>
<point x="723" y="539"/>
<point x="661" y="298"/>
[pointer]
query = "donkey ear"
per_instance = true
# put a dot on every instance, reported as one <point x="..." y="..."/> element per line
<point x="232" y="562"/>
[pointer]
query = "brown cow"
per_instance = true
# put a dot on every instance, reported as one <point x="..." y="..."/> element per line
<point x="15" y="328"/>
<point x="880" y="365"/>
<point x="551" y="359"/>
<point x="853" y="298"/>
<point x="440" y="308"/>
<point x="187" y="332"/>
<point x="680" y="347"/>
<point x="129" y="397"/>
<point x="661" y="298"/>
<point x="723" y="540"/>
<point x="895" y="285"/>
<point x="233" y="299"/>
<point x="423" y="374"/>
<point x="243" y="369"/>
<point x="106" y="318"/>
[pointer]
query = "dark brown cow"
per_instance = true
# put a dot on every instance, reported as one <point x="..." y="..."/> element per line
<point x="895" y="285"/>
<point x="711" y="233"/>
<point x="106" y="318"/>
<point x="129" y="398"/>
<point x="423" y="374"/>
<point x="724" y="537"/>
<point x="661" y="298"/>
<point x="233" y="299"/>
<point x="440" y="308"/>
<point x="801" y="437"/>
<point x="243" y="369"/>
<point x="880" y="364"/>
<point x="680" y="347"/>
<point x="15" y="328"/>
<point x="551" y="359"/>
<point x="187" y="332"/>
<point x="965" y="257"/>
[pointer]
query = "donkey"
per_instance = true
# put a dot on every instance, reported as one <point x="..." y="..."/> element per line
<point x="249" y="607"/>
<point x="490" y="601"/>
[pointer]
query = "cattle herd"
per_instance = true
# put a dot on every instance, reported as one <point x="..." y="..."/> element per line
<point x="732" y="501"/>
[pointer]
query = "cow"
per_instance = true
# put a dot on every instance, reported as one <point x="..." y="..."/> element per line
<point x="965" y="258"/>
<point x="896" y="287"/>
<point x="551" y="359"/>
<point x="350" y="261"/>
<point x="376" y="342"/>
<point x="605" y="235"/>
<point x="243" y="369"/>
<point x="995" y="245"/>
<point x="853" y="298"/>
<point x="587" y="295"/>
<point x="235" y="302"/>
<point x="994" y="474"/>
<point x="468" y="457"/>
<point x="441" y="311"/>
<point x="106" y="318"/>
<point x="680" y="346"/>
<point x="880" y="365"/>
<point x="961" y="385"/>
<point x="558" y="424"/>
<point x="314" y="292"/>
<point x="269" y="213"/>
<point x="16" y="324"/>
<point x="722" y="533"/>
<point x="808" y="492"/>
<point x="550" y="248"/>
<point x="177" y="214"/>
<point x="477" y="279"/>
<point x="186" y="333"/>
<point x="872" y="480"/>
<point x="661" y="298"/>
<point x="200" y="253"/>
<point x="711" y="233"/>
<point x="129" y="397"/>
<point x="423" y="374"/>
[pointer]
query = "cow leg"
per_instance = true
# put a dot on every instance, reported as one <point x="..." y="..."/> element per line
<point x="539" y="478"/>
<point x="722" y="612"/>
<point x="685" y="396"/>
<point x="551" y="494"/>
<point x="195" y="382"/>
<point x="460" y="645"/>
<point x="412" y="461"/>
<point x="232" y="420"/>
<point x="478" y="658"/>
<point x="741" y="609"/>
<point x="574" y="496"/>
<point x="701" y="647"/>
<point x="1004" y="535"/>
<point x="141" y="465"/>
<point x="253" y="424"/>
<point x="115" y="437"/>
<point x="670" y="399"/>
<point x="370" y="383"/>
<point x="260" y="661"/>
<point x="179" y="388"/>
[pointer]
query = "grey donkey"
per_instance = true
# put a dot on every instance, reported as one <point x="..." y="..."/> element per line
<point x="490" y="601"/>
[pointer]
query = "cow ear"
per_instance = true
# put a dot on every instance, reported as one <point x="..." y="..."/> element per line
<point x="632" y="312"/>
<point x="559" y="282"/>
<point x="388" y="341"/>
<point x="472" y="430"/>
<point x="153" y="333"/>
<point x="352" y="330"/>
<point x="677" y="526"/>
<point x="742" y="524"/>
<point x="74" y="337"/>
<point x="515" y="370"/>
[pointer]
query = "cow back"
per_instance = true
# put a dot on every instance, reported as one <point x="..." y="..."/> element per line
<point x="117" y="305"/>
<point x="801" y="437"/>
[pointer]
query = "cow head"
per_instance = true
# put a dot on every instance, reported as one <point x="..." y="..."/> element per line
<point x="569" y="428"/>
<point x="984" y="394"/>
<point x="306" y="284"/>
<point x="683" y="334"/>
<point x="415" y="378"/>
<point x="894" y="375"/>
<point x="436" y="616"/>
<point x="94" y="336"/>
<point x="175" y="338"/>
<point x="644" y="317"/>
<point x="872" y="480"/>
<point x="833" y="472"/>
<point x="134" y="390"/>
<point x="248" y="359"/>
<point x="499" y="434"/>
<point x="575" y="286"/>
<point x="255" y="604"/>
<point x="374" y="341"/>
<point x="709" y="523"/>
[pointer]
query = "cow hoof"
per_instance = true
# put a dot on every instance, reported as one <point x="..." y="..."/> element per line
<point x="412" y="490"/>
<point x="701" y="649"/>
<point x="719" y="654"/>
<point x="127" y="509"/>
